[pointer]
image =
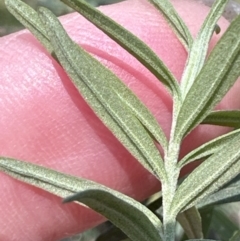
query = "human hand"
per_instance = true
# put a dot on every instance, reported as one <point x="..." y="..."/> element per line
<point x="44" y="119"/>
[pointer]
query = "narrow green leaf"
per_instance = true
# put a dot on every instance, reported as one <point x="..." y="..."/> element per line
<point x="175" y="21"/>
<point x="208" y="148"/>
<point x="29" y="18"/>
<point x="199" y="48"/>
<point x="34" y="24"/>
<point x="132" y="217"/>
<point x="236" y="236"/>
<point x="191" y="223"/>
<point x="209" y="177"/>
<point x="215" y="79"/>
<point x="223" y="196"/>
<point x="229" y="118"/>
<point x="227" y="194"/>
<point x="137" y="227"/>
<point x="234" y="182"/>
<point x="114" y="104"/>
<point x="129" y="42"/>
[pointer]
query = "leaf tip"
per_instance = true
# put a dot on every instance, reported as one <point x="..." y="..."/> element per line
<point x="67" y="199"/>
<point x="217" y="29"/>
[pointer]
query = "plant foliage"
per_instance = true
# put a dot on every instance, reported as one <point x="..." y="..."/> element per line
<point x="134" y="126"/>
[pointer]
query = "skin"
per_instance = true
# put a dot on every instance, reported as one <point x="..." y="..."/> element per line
<point x="45" y="120"/>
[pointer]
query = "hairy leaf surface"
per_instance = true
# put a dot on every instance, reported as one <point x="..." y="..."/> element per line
<point x="139" y="223"/>
<point x="210" y="176"/>
<point x="176" y="22"/>
<point x="199" y="48"/>
<point x="34" y="24"/>
<point x="229" y="118"/>
<point x="112" y="207"/>
<point x="223" y="196"/>
<point x="227" y="194"/>
<point x="30" y="19"/>
<point x="128" y="41"/>
<point x="210" y="86"/>
<point x="209" y="148"/>
<point x="114" y="104"/>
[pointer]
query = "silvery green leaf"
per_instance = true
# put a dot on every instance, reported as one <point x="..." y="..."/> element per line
<point x="217" y="76"/>
<point x="209" y="177"/>
<point x="223" y="196"/>
<point x="191" y="223"/>
<point x="198" y="50"/>
<point x="29" y="18"/>
<point x="34" y="24"/>
<point x="175" y="21"/>
<point x="233" y="182"/>
<point x="128" y="41"/>
<point x="137" y="226"/>
<point x="208" y="148"/>
<point x="118" y="108"/>
<point x="229" y="118"/>
<point x="131" y="216"/>
<point x="236" y="236"/>
<point x="227" y="194"/>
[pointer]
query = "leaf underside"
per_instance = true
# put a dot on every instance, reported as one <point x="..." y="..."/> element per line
<point x="29" y="18"/>
<point x="97" y="85"/>
<point x="106" y="203"/>
<point x="139" y="222"/>
<point x="129" y="42"/>
<point x="227" y="194"/>
<point x="229" y="118"/>
<point x="179" y="27"/>
<point x="135" y="127"/>
<point x="211" y="86"/>
<point x="208" y="148"/>
<point x="199" y="48"/>
<point x="211" y="175"/>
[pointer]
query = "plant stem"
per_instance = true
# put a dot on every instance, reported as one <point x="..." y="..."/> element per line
<point x="168" y="220"/>
<point x="168" y="191"/>
<point x="169" y="188"/>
